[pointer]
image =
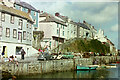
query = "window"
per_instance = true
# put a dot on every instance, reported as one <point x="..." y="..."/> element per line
<point x="30" y="37"/>
<point x="30" y="26"/>
<point x="20" y="24"/>
<point x="20" y="8"/>
<point x="27" y="25"/>
<point x="20" y="36"/>
<point x="27" y="35"/>
<point x="61" y="26"/>
<point x="7" y="32"/>
<point x="57" y="31"/>
<point x="34" y="21"/>
<point x="24" y="35"/>
<point x="12" y="19"/>
<point x="74" y="32"/>
<point x="2" y="16"/>
<point x="34" y="13"/>
<point x="0" y="31"/>
<point x="14" y="33"/>
<point x="18" y="50"/>
<point x="57" y="25"/>
<point x="63" y="33"/>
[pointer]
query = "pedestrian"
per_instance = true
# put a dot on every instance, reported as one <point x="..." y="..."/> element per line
<point x="22" y="53"/>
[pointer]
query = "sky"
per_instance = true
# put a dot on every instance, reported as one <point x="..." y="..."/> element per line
<point x="101" y="14"/>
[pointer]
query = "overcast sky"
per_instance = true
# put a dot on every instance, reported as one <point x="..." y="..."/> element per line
<point x="102" y="15"/>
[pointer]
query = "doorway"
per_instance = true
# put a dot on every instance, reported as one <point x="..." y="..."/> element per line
<point x="4" y="51"/>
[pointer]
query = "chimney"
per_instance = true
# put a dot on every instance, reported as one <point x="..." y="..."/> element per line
<point x="57" y="14"/>
<point x="38" y="11"/>
<point x="84" y="22"/>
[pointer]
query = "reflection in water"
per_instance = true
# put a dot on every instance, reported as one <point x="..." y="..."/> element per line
<point x="92" y="74"/>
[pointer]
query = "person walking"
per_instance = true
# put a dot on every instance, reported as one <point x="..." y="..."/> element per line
<point x="22" y="53"/>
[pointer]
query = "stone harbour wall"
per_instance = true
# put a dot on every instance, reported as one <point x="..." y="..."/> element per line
<point x="26" y="68"/>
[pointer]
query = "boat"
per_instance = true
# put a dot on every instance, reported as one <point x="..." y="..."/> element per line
<point x="89" y="67"/>
<point x="112" y="65"/>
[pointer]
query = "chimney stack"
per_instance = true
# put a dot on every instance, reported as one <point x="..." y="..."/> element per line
<point x="84" y="22"/>
<point x="57" y="14"/>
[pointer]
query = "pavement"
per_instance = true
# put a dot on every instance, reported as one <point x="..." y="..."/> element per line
<point x="26" y="59"/>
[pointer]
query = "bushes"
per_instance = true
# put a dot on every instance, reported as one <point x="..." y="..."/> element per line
<point x="87" y="46"/>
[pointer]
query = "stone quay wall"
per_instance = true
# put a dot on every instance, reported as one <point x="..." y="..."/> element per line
<point x="26" y="68"/>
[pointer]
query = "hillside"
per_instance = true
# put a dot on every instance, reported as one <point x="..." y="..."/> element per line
<point x="82" y="45"/>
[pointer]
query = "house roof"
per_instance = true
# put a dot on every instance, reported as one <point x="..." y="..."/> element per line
<point x="65" y="18"/>
<point x="15" y="12"/>
<point x="83" y="26"/>
<point x="44" y="14"/>
<point x="50" y="18"/>
<point x="26" y="5"/>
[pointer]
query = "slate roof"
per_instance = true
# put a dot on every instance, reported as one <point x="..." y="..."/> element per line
<point x="53" y="19"/>
<point x="65" y="18"/>
<point x="83" y="26"/>
<point x="15" y="12"/>
<point x="44" y="14"/>
<point x="26" y="5"/>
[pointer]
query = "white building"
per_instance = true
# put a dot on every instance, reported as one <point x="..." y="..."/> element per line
<point x="92" y="31"/>
<point x="15" y="32"/>
<point x="8" y="3"/>
<point x="71" y="29"/>
<point x="100" y="36"/>
<point x="54" y="30"/>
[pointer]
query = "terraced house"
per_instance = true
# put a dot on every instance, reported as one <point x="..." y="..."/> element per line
<point x="15" y="31"/>
<point x="54" y="30"/>
<point x="27" y="8"/>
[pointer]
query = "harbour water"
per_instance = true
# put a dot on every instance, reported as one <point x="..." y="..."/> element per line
<point x="112" y="73"/>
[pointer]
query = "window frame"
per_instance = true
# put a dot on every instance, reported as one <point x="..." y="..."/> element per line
<point x="34" y="13"/>
<point x="30" y="37"/>
<point x="34" y="21"/>
<point x="7" y="34"/>
<point x="57" y="31"/>
<point x="57" y="25"/>
<point x="12" y="19"/>
<point x="24" y="35"/>
<point x="19" y="37"/>
<point x="63" y="33"/>
<point x="20" y="24"/>
<point x="30" y="25"/>
<point x="27" y="35"/>
<point x="2" y="16"/>
<point x="1" y="31"/>
<point x="15" y="32"/>
<point x="27" y="25"/>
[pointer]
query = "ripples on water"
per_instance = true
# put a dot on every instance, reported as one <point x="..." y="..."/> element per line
<point x="103" y="73"/>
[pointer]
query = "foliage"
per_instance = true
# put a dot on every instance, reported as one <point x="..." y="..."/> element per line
<point x="83" y="45"/>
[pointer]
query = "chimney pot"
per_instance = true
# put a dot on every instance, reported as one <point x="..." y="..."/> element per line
<point x="57" y="14"/>
<point x="84" y="22"/>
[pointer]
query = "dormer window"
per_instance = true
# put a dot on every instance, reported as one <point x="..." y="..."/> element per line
<point x="20" y="8"/>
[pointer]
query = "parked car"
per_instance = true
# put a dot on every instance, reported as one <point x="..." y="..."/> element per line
<point x="45" y="56"/>
<point x="41" y="57"/>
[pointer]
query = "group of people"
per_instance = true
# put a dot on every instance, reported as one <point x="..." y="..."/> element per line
<point x="13" y="58"/>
